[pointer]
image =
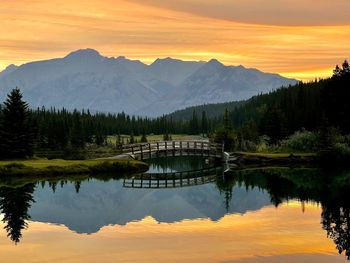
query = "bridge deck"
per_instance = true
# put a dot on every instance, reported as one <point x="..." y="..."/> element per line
<point x="147" y="150"/>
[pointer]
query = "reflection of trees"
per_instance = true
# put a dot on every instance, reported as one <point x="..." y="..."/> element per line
<point x="331" y="190"/>
<point x="336" y="213"/>
<point x="178" y="163"/>
<point x="16" y="202"/>
<point x="225" y="186"/>
<point x="336" y="221"/>
<point x="14" y="205"/>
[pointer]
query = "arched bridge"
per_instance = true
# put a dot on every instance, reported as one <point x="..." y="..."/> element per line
<point x="142" y="151"/>
<point x="173" y="180"/>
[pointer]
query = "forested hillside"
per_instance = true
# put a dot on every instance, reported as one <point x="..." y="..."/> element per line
<point x="213" y="110"/>
<point x="304" y="105"/>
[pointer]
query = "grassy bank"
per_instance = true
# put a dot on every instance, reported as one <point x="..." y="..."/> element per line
<point x="68" y="167"/>
<point x="248" y="158"/>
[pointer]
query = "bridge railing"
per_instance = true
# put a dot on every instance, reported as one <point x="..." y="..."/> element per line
<point x="192" y="146"/>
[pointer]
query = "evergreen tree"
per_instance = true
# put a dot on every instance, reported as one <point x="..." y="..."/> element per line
<point x="143" y="137"/>
<point x="225" y="134"/>
<point x="100" y="137"/>
<point x="346" y="68"/>
<point x="227" y="123"/>
<point x="166" y="137"/>
<point x="273" y="124"/>
<point x="17" y="132"/>
<point x="335" y="102"/>
<point x="119" y="141"/>
<point x="337" y="71"/>
<point x="132" y="138"/>
<point x="194" y="123"/>
<point x="204" y="125"/>
<point x="77" y="134"/>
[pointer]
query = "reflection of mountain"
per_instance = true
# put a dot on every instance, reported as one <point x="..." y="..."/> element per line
<point x="99" y="204"/>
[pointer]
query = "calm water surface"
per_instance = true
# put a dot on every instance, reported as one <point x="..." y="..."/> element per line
<point x="257" y="215"/>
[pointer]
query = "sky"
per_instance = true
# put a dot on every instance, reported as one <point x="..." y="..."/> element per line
<point x="303" y="39"/>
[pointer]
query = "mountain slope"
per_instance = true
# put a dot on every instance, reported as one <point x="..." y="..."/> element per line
<point x="86" y="79"/>
<point x="217" y="83"/>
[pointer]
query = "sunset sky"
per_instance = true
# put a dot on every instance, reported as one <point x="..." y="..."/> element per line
<point x="303" y="39"/>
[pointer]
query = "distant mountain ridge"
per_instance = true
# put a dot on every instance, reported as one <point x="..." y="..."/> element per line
<point x="86" y="79"/>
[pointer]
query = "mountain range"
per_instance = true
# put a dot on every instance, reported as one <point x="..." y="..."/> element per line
<point x="85" y="79"/>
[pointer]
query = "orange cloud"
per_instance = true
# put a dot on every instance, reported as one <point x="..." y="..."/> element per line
<point x="282" y="12"/>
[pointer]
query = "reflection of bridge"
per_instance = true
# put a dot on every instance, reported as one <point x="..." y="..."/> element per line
<point x="172" y="180"/>
<point x="144" y="151"/>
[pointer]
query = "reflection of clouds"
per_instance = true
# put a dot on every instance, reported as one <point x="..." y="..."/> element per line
<point x="45" y="29"/>
<point x="267" y="235"/>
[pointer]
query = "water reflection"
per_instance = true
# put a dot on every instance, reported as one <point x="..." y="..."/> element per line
<point x="85" y="206"/>
<point x="176" y="164"/>
<point x="99" y="204"/>
<point x="331" y="190"/>
<point x="14" y="205"/>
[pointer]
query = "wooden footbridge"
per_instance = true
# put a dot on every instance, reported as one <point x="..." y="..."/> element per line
<point x="142" y="151"/>
<point x="173" y="180"/>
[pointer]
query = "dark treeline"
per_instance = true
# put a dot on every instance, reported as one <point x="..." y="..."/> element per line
<point x="58" y="129"/>
<point x="213" y="110"/>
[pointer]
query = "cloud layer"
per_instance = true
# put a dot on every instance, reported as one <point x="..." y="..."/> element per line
<point x="254" y="33"/>
<point x="272" y="12"/>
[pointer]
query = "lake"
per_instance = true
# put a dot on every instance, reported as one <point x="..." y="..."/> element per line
<point x="251" y="215"/>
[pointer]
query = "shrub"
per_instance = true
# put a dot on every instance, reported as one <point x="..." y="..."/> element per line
<point x="303" y="141"/>
<point x="342" y="149"/>
<point x="263" y="145"/>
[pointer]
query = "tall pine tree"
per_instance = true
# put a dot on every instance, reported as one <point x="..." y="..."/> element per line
<point x="17" y="131"/>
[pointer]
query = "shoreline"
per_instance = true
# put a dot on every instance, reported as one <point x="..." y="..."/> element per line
<point x="58" y="167"/>
<point x="263" y="159"/>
